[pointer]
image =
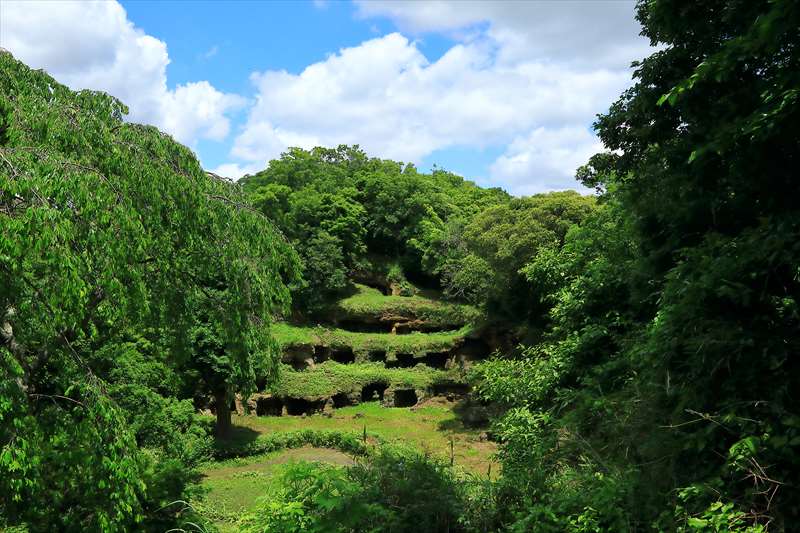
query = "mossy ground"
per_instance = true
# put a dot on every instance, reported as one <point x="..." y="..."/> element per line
<point x="329" y="378"/>
<point x="416" y="343"/>
<point x="369" y="302"/>
<point x="233" y="486"/>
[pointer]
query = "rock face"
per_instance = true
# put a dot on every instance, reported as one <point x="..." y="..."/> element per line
<point x="402" y="397"/>
<point x="373" y="391"/>
<point x="383" y="326"/>
<point x="300" y="356"/>
<point x="240" y="407"/>
<point x="473" y="413"/>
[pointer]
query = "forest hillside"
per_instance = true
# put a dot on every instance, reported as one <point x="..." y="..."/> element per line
<point x="345" y="343"/>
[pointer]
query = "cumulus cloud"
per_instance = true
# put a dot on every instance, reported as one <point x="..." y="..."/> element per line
<point x="524" y="78"/>
<point x="93" y="45"/>
<point x="589" y="33"/>
<point x="385" y="95"/>
<point x="545" y="159"/>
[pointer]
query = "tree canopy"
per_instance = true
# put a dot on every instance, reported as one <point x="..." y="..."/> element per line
<point x="107" y="225"/>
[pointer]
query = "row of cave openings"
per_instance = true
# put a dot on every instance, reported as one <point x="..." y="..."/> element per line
<point x="401" y="397"/>
<point x="471" y="349"/>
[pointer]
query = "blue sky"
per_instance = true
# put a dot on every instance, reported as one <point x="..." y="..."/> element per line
<point x="225" y="42"/>
<point x="501" y="92"/>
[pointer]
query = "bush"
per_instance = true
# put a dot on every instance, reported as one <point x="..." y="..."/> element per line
<point x="394" y="490"/>
<point x="347" y="442"/>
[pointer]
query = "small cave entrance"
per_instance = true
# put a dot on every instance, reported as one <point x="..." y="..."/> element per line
<point x="373" y="391"/>
<point x="343" y="355"/>
<point x="405" y="398"/>
<point x="321" y="353"/>
<point x="301" y="364"/>
<point x="404" y="360"/>
<point x="377" y="356"/>
<point x="450" y="388"/>
<point x="341" y="399"/>
<point x="269" y="407"/>
<point x="436" y="359"/>
<point x="361" y="326"/>
<point x="301" y="406"/>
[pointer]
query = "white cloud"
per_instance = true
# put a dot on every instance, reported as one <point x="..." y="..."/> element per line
<point x="525" y="77"/>
<point x="594" y="33"/>
<point x="235" y="170"/>
<point x="386" y="96"/>
<point x="544" y="160"/>
<point x="93" y="45"/>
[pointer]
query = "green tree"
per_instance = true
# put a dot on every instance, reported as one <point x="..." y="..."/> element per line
<point x="346" y="213"/>
<point x="707" y="139"/>
<point x="662" y="394"/>
<point x="105" y="224"/>
<point x="500" y="240"/>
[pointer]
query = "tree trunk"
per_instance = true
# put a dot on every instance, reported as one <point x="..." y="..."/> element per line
<point x="221" y="403"/>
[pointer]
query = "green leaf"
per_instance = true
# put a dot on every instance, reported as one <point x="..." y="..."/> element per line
<point x="697" y="523"/>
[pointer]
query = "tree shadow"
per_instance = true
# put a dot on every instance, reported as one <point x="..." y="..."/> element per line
<point x="239" y="436"/>
<point x="469" y="417"/>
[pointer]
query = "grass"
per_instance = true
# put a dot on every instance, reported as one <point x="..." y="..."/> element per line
<point x="368" y="303"/>
<point x="417" y="344"/>
<point x="429" y="427"/>
<point x="232" y="487"/>
<point x="329" y="378"/>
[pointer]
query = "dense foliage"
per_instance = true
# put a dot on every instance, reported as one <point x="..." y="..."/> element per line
<point x="665" y="391"/>
<point x="354" y="218"/>
<point x="655" y="385"/>
<point x="109" y="231"/>
<point x="394" y="490"/>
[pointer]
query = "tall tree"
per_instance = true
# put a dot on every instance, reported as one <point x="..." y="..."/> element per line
<point x="105" y="224"/>
<point x="706" y="150"/>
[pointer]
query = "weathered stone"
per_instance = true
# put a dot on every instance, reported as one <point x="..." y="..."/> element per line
<point x="300" y="356"/>
<point x="239" y="405"/>
<point x="328" y="407"/>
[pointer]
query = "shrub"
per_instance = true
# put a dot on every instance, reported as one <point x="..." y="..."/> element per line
<point x="394" y="490"/>
<point x="347" y="442"/>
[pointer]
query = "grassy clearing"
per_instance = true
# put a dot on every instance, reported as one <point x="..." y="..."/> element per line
<point x="417" y="344"/>
<point x="368" y="303"/>
<point x="330" y="377"/>
<point x="428" y="427"/>
<point x="233" y="486"/>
